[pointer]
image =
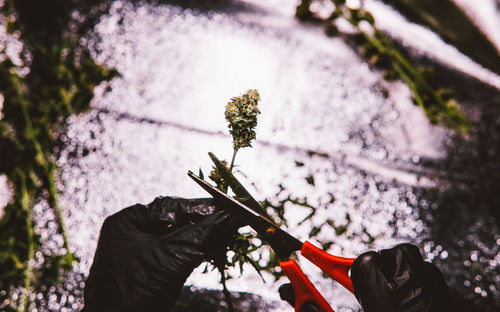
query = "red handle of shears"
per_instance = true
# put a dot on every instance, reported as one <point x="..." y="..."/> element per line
<point x="336" y="267"/>
<point x="302" y="287"/>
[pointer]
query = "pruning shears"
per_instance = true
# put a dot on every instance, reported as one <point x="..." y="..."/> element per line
<point x="283" y="244"/>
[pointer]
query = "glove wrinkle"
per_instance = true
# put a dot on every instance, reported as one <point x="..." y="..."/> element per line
<point x="401" y="275"/>
<point x="166" y="213"/>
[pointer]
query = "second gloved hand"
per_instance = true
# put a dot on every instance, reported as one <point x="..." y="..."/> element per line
<point x="399" y="280"/>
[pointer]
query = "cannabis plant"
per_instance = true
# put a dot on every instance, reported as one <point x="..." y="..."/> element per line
<point x="241" y="114"/>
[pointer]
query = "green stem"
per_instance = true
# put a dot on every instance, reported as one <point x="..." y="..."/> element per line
<point x="410" y="84"/>
<point x="25" y="204"/>
<point x="374" y="41"/>
<point x="227" y="293"/>
<point x="232" y="160"/>
<point x="59" y="215"/>
<point x="408" y="73"/>
<point x="49" y="169"/>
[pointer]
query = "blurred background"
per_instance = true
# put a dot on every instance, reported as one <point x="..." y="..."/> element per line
<point x="380" y="124"/>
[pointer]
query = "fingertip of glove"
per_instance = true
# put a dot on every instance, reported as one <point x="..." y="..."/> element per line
<point x="287" y="293"/>
<point x="365" y="262"/>
<point x="363" y="268"/>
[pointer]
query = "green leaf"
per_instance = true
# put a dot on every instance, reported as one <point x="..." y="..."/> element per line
<point x="314" y="231"/>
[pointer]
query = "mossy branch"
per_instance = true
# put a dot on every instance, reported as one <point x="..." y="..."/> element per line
<point x="438" y="109"/>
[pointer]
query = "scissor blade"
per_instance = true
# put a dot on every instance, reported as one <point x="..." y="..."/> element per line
<point x="280" y="241"/>
<point x="238" y="188"/>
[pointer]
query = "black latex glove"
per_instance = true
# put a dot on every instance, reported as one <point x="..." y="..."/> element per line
<point x="145" y="253"/>
<point x="287" y="294"/>
<point x="399" y="280"/>
<point x="396" y="280"/>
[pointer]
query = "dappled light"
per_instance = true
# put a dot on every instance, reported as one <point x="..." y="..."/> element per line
<point x="342" y="157"/>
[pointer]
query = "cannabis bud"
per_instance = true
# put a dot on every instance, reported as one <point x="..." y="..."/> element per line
<point x="241" y="113"/>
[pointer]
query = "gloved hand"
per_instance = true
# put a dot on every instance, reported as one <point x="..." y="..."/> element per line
<point x="396" y="280"/>
<point x="399" y="280"/>
<point x="145" y="253"/>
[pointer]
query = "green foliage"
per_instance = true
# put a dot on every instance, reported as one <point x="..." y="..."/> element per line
<point x="453" y="25"/>
<point x="53" y="79"/>
<point x="245" y="244"/>
<point x="216" y="176"/>
<point x="380" y="50"/>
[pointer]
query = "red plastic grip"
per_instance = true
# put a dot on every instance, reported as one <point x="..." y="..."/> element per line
<point x="303" y="288"/>
<point x="337" y="267"/>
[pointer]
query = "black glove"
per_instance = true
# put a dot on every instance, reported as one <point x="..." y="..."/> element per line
<point x="399" y="280"/>
<point x="145" y="253"/>
<point x="287" y="294"/>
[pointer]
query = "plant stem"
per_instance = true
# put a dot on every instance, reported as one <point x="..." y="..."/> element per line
<point x="227" y="293"/>
<point x="25" y="204"/>
<point x="232" y="160"/>
<point x="411" y="85"/>
<point x="59" y="215"/>
<point x="49" y="168"/>
<point x="425" y="95"/>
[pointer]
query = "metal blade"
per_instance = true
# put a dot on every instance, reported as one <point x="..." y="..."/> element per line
<point x="238" y="188"/>
<point x="280" y="241"/>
